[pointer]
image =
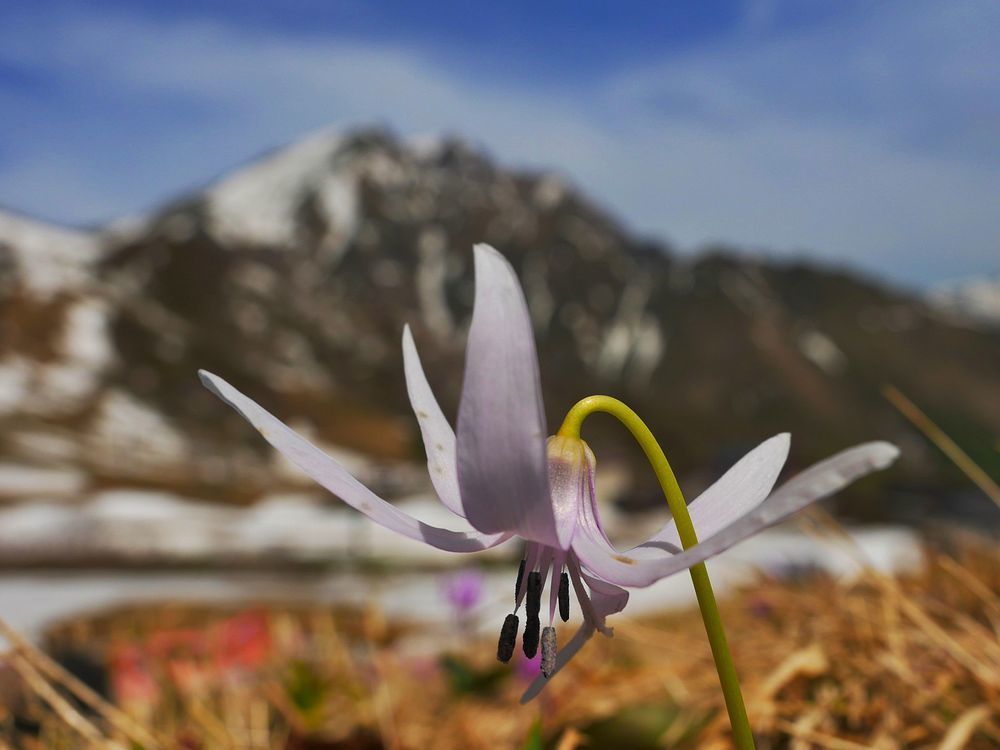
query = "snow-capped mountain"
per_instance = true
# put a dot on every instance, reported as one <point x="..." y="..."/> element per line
<point x="976" y="300"/>
<point x="261" y="205"/>
<point x="294" y="275"/>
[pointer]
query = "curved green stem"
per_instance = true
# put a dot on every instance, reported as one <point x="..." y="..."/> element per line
<point x="685" y="529"/>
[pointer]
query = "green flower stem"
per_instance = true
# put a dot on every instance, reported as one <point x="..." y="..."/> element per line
<point x="685" y="529"/>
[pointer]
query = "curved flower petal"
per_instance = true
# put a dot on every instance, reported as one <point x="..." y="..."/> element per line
<point x="502" y="472"/>
<point x="568" y="479"/>
<point x="736" y="493"/>
<point x="605" y="600"/>
<point x="439" y="439"/>
<point x="337" y="480"/>
<point x="814" y="483"/>
<point x="590" y="518"/>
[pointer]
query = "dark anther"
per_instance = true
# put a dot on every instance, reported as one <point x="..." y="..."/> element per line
<point x="520" y="577"/>
<point x="548" y="651"/>
<point x="508" y="636"/>
<point x="534" y="603"/>
<point x="529" y="642"/>
<point x="564" y="596"/>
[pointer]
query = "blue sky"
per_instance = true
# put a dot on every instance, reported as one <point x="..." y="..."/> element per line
<point x="861" y="133"/>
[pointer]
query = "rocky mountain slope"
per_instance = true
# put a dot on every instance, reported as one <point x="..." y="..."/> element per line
<point x="294" y="275"/>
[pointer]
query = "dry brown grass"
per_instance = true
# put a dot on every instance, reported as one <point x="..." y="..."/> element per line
<point x="875" y="663"/>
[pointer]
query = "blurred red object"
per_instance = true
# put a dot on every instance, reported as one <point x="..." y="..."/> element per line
<point x="192" y="659"/>
<point x="178" y="642"/>
<point x="131" y="679"/>
<point x="242" y="642"/>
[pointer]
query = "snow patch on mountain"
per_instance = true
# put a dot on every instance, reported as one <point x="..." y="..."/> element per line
<point x="18" y="480"/>
<point x="976" y="299"/>
<point x="48" y="259"/>
<point x="263" y="204"/>
<point x="822" y="351"/>
<point x="15" y="377"/>
<point x="86" y="350"/>
<point x="58" y="386"/>
<point x="133" y="439"/>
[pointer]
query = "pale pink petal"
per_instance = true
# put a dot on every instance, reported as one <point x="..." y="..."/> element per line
<point x="438" y="437"/>
<point x="589" y="519"/>
<point x="502" y="472"/>
<point x="590" y="616"/>
<point x="337" y="480"/>
<point x="819" y="481"/>
<point x="567" y="467"/>
<point x="610" y="599"/>
<point x="736" y="493"/>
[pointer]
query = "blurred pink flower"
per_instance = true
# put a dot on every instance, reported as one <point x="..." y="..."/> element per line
<point x="529" y="669"/>
<point x="464" y="590"/>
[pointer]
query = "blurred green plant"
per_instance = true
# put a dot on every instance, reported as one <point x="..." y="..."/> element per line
<point x="464" y="679"/>
<point x="651" y="727"/>
<point x="535" y="739"/>
<point x="308" y="691"/>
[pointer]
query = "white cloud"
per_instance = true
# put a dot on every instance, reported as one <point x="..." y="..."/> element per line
<point x="867" y="139"/>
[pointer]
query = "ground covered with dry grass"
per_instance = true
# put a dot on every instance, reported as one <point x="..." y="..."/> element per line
<point x="872" y="663"/>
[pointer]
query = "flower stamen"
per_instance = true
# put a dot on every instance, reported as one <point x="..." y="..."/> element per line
<point x="564" y="596"/>
<point x="548" y="651"/>
<point x="532" y="554"/>
<point x="508" y="638"/>
<point x="533" y="605"/>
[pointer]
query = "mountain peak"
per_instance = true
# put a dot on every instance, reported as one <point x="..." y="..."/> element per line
<point x="260" y="204"/>
<point x="317" y="180"/>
